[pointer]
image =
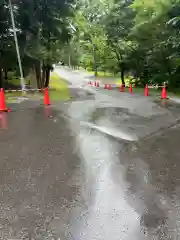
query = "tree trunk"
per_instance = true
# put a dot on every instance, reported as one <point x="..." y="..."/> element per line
<point x="47" y="76"/>
<point x="38" y="74"/>
<point x="5" y="77"/>
<point x="5" y="74"/>
<point x="43" y="75"/>
<point x="121" y="64"/>
<point x="1" y="78"/>
<point x="145" y="76"/>
<point x="69" y="61"/>
<point x="32" y="78"/>
<point x="47" y="66"/>
<point x="122" y="76"/>
<point x="122" y="73"/>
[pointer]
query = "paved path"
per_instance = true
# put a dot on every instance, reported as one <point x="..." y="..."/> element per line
<point x="103" y="168"/>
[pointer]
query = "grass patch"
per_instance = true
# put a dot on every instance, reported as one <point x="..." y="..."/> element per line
<point x="114" y="78"/>
<point x="174" y="92"/>
<point x="17" y="82"/>
<point x="154" y="92"/>
<point x="58" y="88"/>
<point x="12" y="96"/>
<point x="126" y="79"/>
<point x="103" y="74"/>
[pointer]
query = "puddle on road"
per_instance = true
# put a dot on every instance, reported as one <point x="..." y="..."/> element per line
<point x="131" y="124"/>
<point x="124" y="123"/>
<point x="119" y="122"/>
<point x="81" y="94"/>
<point x="119" y="133"/>
<point x="168" y="104"/>
<point x="119" y="113"/>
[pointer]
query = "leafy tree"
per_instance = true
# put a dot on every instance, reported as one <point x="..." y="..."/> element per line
<point x="154" y="37"/>
<point x="127" y="36"/>
<point x="6" y="43"/>
<point x="42" y="26"/>
<point x="92" y="36"/>
<point x="118" y="24"/>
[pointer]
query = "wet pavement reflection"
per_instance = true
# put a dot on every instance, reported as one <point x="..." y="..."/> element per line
<point x="89" y="170"/>
<point x="132" y="200"/>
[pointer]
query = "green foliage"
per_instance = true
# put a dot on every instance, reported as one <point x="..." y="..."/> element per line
<point x="140" y="38"/>
<point x="42" y="28"/>
<point x="130" y="37"/>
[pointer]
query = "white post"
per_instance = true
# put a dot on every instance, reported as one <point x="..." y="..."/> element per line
<point x="17" y="47"/>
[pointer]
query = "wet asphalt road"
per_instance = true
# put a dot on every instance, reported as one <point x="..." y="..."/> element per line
<point x="102" y="168"/>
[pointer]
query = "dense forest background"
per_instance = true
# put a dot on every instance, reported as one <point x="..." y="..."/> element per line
<point x="140" y="38"/>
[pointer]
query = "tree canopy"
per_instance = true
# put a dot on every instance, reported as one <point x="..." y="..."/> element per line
<point x="42" y="26"/>
<point x="140" y="38"/>
<point x="134" y="37"/>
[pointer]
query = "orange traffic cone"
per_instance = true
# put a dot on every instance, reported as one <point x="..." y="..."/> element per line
<point x="163" y="93"/>
<point x="130" y="88"/>
<point x="46" y="97"/>
<point x="3" y="107"/>
<point x="121" y="88"/>
<point x="146" y="91"/>
<point x="109" y="87"/>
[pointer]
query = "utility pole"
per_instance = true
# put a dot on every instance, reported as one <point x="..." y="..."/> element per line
<point x="17" y="47"/>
